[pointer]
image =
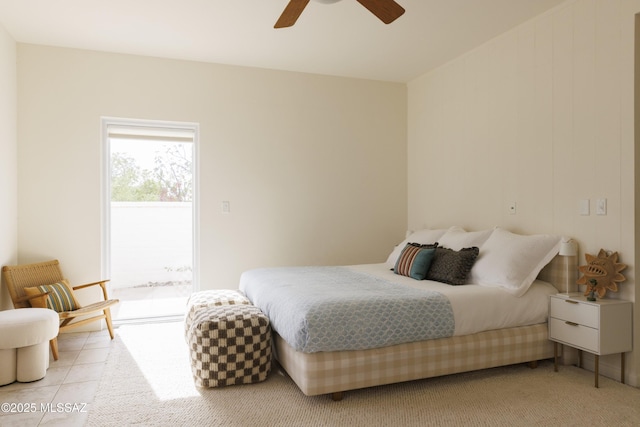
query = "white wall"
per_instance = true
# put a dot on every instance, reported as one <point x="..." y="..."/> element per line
<point x="541" y="116"/>
<point x="314" y="166"/>
<point x="8" y="159"/>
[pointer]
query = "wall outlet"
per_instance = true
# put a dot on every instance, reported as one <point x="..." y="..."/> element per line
<point x="226" y="207"/>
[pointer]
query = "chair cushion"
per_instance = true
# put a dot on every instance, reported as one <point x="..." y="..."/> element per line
<point x="60" y="297"/>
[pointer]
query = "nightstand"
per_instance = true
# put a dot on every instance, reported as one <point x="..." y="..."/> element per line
<point x="600" y="327"/>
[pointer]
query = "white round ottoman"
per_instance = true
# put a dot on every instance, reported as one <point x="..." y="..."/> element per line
<point x="24" y="343"/>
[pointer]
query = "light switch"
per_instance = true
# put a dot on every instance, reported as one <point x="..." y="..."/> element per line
<point x="226" y="207"/>
<point x="601" y="207"/>
<point x="584" y="207"/>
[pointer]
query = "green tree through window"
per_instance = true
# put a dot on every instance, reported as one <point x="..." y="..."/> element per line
<point x="170" y="180"/>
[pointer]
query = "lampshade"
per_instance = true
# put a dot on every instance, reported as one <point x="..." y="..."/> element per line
<point x="568" y="247"/>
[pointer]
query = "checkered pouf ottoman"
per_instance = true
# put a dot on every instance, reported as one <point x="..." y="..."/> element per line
<point x="211" y="298"/>
<point x="229" y="344"/>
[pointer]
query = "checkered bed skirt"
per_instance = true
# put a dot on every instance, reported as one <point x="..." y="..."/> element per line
<point x="229" y="344"/>
<point x="336" y="371"/>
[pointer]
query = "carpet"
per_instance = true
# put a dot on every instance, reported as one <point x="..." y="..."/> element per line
<point x="147" y="381"/>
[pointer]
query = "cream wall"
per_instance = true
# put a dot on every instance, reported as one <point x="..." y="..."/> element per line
<point x="8" y="158"/>
<point x="314" y="166"/>
<point x="541" y="116"/>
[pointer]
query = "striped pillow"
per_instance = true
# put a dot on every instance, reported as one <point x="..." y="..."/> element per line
<point x="60" y="297"/>
<point x="414" y="261"/>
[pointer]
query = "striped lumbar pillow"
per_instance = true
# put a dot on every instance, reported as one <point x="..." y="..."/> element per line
<point x="60" y="297"/>
<point x="414" y="261"/>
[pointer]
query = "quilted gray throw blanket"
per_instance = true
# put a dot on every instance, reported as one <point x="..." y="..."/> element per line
<point x="334" y="308"/>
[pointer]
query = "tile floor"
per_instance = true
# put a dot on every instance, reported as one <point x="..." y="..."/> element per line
<point x="71" y="382"/>
<point x="73" y="378"/>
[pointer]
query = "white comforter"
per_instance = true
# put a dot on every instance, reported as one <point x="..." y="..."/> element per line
<point x="479" y="308"/>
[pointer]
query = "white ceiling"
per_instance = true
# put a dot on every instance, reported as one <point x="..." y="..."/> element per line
<point x="342" y="39"/>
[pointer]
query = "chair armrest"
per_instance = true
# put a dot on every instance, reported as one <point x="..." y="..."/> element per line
<point x="86" y="285"/>
<point x="101" y="283"/>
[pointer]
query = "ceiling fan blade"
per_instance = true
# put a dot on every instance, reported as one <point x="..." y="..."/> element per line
<point x="386" y="10"/>
<point x="291" y="13"/>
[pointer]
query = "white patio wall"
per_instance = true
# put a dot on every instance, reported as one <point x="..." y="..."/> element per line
<point x="147" y="240"/>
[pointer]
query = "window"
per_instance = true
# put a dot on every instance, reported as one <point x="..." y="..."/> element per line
<point x="150" y="221"/>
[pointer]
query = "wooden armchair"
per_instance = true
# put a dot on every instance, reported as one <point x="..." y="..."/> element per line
<point x="38" y="280"/>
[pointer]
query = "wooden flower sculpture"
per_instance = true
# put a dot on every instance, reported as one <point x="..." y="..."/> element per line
<point x="605" y="270"/>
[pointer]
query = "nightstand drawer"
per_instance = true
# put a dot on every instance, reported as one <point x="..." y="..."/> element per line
<point x="583" y="314"/>
<point x="575" y="335"/>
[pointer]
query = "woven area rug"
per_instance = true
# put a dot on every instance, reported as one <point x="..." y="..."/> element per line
<point x="148" y="382"/>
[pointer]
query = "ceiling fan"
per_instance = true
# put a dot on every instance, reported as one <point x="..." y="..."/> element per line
<point x="386" y="10"/>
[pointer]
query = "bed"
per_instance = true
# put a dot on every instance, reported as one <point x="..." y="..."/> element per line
<point x="418" y="319"/>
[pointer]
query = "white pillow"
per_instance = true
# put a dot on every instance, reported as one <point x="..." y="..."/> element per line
<point x="423" y="237"/>
<point x="457" y="238"/>
<point x="513" y="261"/>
